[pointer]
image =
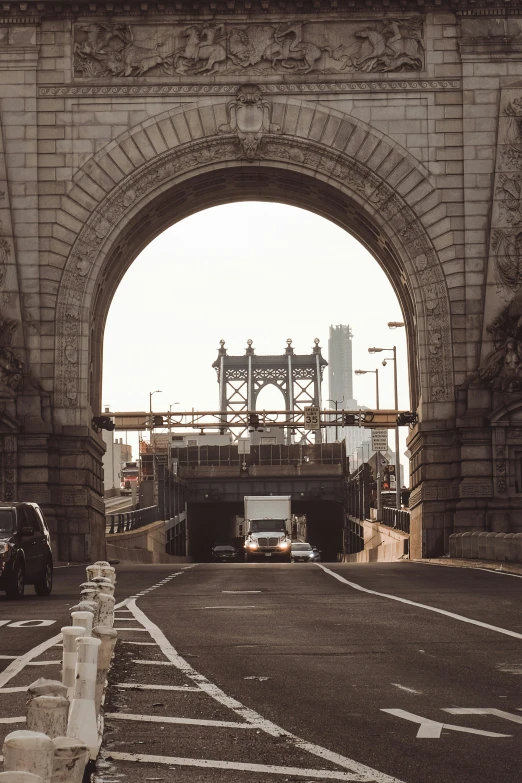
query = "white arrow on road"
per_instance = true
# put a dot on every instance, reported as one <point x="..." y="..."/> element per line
<point x="432" y="729"/>
<point x="484" y="711"/>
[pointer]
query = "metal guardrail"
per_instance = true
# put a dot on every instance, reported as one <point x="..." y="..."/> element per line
<point x="131" y="520"/>
<point x="399" y="520"/>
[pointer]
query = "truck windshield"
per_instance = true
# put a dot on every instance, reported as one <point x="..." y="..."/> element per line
<point x="6" y="521"/>
<point x="268" y="526"/>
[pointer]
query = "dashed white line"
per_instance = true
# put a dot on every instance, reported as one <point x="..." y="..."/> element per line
<point x="229" y="607"/>
<point x="147" y="687"/>
<point x="13" y="720"/>
<point x="404" y="688"/>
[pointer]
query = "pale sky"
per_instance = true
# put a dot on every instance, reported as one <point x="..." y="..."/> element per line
<point x="252" y="269"/>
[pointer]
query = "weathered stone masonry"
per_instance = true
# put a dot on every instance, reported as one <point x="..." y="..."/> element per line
<point x="401" y="122"/>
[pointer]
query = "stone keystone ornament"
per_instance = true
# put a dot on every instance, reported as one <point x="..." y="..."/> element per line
<point x="249" y="117"/>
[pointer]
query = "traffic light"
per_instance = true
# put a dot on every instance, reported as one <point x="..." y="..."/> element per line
<point x="254" y="425"/>
<point x="157" y="421"/>
<point x="366" y="417"/>
<point x="103" y="423"/>
<point x="407" y="419"/>
<point x="349" y="420"/>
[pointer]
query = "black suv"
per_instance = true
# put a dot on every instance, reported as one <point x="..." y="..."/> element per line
<point x="25" y="550"/>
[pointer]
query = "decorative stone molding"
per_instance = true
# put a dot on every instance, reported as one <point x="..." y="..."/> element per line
<point x="387" y="208"/>
<point x="287" y="88"/>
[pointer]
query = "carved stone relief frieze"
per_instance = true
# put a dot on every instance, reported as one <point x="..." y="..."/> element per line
<point x="501" y="367"/>
<point x="108" y="50"/>
<point x="265" y="142"/>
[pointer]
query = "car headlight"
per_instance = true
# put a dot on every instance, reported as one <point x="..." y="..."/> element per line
<point x="283" y="545"/>
<point x="4" y="549"/>
<point x="252" y="544"/>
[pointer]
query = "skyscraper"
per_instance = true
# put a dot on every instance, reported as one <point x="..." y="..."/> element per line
<point x="340" y="365"/>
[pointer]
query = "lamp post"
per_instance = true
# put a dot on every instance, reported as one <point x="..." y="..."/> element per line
<point x="396" y="392"/>
<point x="156" y="391"/>
<point x="336" y="403"/>
<point x="378" y="460"/>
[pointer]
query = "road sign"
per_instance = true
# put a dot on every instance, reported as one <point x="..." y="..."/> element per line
<point x="380" y="440"/>
<point x="312" y="418"/>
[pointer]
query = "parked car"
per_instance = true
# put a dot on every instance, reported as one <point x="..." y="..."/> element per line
<point x="302" y="552"/>
<point x="224" y="553"/>
<point x="25" y="550"/>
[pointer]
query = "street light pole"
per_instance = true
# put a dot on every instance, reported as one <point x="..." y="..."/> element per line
<point x="336" y="402"/>
<point x="378" y="460"/>
<point x="156" y="391"/>
<point x="393" y="325"/>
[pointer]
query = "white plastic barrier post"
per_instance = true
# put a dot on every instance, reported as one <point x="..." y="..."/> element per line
<point x="70" y="760"/>
<point x="89" y="594"/>
<point x="70" y="635"/>
<point x="92" y="571"/>
<point x="19" y="777"/>
<point x="29" y="751"/>
<point x="110" y="572"/>
<point x="104" y="585"/>
<point x="107" y="637"/>
<point x="102" y="563"/>
<point x="83" y="620"/>
<point x="88" y="586"/>
<point x="45" y="687"/>
<point x="48" y="715"/>
<point x="85" y="606"/>
<point x="106" y="610"/>
<point x="83" y="724"/>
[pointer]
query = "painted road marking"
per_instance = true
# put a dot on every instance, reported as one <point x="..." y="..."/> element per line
<point x="43" y="663"/>
<point x="8" y="657"/>
<point x="154" y="663"/>
<point x="13" y="720"/>
<point x="240" y="592"/>
<point x="141" y="644"/>
<point x="222" y="724"/>
<point x="364" y="772"/>
<point x="31" y="623"/>
<point x="435" y="609"/>
<point x="484" y="711"/>
<point x="432" y="729"/>
<point x="229" y="607"/>
<point x="318" y="774"/>
<point x="20" y="689"/>
<point x="143" y="687"/>
<point x="141" y="630"/>
<point x="408" y="690"/>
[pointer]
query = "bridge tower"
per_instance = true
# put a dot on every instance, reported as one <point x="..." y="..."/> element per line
<point x="298" y="376"/>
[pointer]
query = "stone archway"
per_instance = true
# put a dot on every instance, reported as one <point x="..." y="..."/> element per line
<point x="312" y="157"/>
<point x="284" y="149"/>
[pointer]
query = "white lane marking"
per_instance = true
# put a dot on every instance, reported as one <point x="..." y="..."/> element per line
<point x="366" y="773"/>
<point x="8" y="657"/>
<point x="404" y="688"/>
<point x="223" y="724"/>
<point x="31" y="623"/>
<point x="240" y="592"/>
<point x="143" y="687"/>
<point x="484" y="711"/>
<point x="20" y="689"/>
<point x="229" y="607"/>
<point x="13" y="720"/>
<point x="140" y="630"/>
<point x="431" y="729"/>
<point x="142" y="644"/>
<point x="154" y="663"/>
<point x="19" y="663"/>
<point x="43" y="663"/>
<point x="510" y="668"/>
<point x="319" y="774"/>
<point x="435" y="609"/>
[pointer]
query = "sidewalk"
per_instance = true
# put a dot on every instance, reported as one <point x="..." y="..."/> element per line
<point x="487" y="565"/>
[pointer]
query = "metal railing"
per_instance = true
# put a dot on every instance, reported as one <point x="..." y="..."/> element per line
<point x="131" y="520"/>
<point x="400" y="520"/>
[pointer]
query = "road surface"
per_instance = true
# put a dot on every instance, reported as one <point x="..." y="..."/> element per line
<point x="271" y="672"/>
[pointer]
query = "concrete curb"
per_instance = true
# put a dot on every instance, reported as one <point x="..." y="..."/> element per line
<point x="487" y="565"/>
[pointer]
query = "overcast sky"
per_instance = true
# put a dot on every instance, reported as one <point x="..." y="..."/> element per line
<point x="259" y="270"/>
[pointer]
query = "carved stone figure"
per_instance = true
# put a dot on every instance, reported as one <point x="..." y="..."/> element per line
<point x="292" y="52"/>
<point x="11" y="367"/>
<point x="503" y="366"/>
<point x="510" y="193"/>
<point x="507" y="249"/>
<point x="249" y="117"/>
<point x="512" y="152"/>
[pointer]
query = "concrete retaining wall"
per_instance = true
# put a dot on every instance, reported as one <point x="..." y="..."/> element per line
<point x="502" y="547"/>
<point x="144" y="545"/>
<point x="382" y="544"/>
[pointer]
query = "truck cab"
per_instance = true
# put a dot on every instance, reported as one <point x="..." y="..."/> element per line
<point x="268" y="521"/>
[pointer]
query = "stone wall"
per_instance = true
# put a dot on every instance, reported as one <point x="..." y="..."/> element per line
<point x="402" y="125"/>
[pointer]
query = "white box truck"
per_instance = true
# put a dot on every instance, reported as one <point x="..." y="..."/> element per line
<point x="268" y="524"/>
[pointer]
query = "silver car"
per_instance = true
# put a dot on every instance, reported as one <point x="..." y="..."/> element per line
<point x="304" y="553"/>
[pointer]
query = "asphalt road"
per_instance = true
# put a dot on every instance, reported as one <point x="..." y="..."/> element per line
<point x="304" y="677"/>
